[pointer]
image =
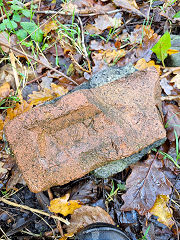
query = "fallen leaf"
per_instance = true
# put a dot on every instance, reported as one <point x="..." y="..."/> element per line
<point x="142" y="64"/>
<point x="63" y="206"/>
<point x="172" y="120"/>
<point x="176" y="80"/>
<point x="18" y="110"/>
<point x="104" y="22"/>
<point x="4" y="90"/>
<point x="166" y="86"/>
<point x="113" y="56"/>
<point x="161" y="210"/>
<point x="87" y="215"/>
<point x="144" y="184"/>
<point x="129" y="5"/>
<point x="2" y="170"/>
<point x="172" y="51"/>
<point x="47" y="94"/>
<point x="51" y="25"/>
<point x="1" y="127"/>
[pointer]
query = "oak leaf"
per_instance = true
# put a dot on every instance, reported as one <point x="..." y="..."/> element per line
<point x="47" y="94"/>
<point x="144" y="184"/>
<point x="161" y="210"/>
<point x="142" y="64"/>
<point x="63" y="206"/>
<point x="4" y="90"/>
<point x="51" y="25"/>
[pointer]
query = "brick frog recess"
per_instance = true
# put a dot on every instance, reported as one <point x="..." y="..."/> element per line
<point x="112" y="121"/>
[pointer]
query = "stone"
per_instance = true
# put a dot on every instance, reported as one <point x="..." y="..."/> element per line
<point x="65" y="139"/>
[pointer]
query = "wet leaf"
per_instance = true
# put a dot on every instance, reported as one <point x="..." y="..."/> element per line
<point x="172" y="120"/>
<point x="142" y="64"/>
<point x="63" y="206"/>
<point x="161" y="210"/>
<point x="172" y="51"/>
<point x="87" y="215"/>
<point x="162" y="46"/>
<point x="47" y="94"/>
<point x="144" y="184"/>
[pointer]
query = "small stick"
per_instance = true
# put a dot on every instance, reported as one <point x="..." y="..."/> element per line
<point x="170" y="98"/>
<point x="80" y="14"/>
<point x="26" y="5"/>
<point x="34" y="210"/>
<point x="171" y="69"/>
<point x="37" y="60"/>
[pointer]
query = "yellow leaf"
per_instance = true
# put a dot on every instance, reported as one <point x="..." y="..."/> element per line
<point x="1" y="127"/>
<point x="4" y="90"/>
<point x="66" y="236"/>
<point x="47" y="94"/>
<point x="161" y="210"/>
<point x="142" y="64"/>
<point x="176" y="80"/>
<point x="172" y="51"/>
<point x="51" y="25"/>
<point x="19" y="109"/>
<point x="63" y="206"/>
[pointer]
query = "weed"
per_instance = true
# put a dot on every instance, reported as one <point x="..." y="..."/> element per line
<point x="166" y="155"/>
<point x="9" y="102"/>
<point x="114" y="191"/>
<point x="144" y="237"/>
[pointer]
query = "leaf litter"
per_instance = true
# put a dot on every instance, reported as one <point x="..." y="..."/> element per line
<point x="84" y="38"/>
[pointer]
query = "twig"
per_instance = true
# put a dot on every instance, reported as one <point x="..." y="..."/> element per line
<point x="171" y="69"/>
<point x="38" y="61"/>
<point x="33" y="210"/>
<point x="80" y="14"/>
<point x="170" y="98"/>
<point x="26" y="5"/>
<point x="83" y="44"/>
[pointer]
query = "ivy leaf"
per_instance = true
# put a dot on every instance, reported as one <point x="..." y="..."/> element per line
<point x="32" y="28"/>
<point x="162" y="46"/>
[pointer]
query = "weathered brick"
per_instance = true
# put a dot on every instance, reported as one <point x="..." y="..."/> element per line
<point x="62" y="141"/>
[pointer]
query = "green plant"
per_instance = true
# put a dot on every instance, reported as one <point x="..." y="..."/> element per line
<point x="162" y="46"/>
<point x="114" y="191"/>
<point x="14" y="16"/>
<point x="166" y="155"/>
<point x="144" y="237"/>
<point x="8" y="102"/>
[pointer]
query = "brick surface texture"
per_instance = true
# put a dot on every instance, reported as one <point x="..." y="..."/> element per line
<point x="60" y="142"/>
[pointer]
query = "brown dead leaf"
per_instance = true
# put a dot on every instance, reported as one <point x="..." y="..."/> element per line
<point x="4" y="38"/>
<point x="47" y="94"/>
<point x="172" y="120"/>
<point x="49" y="26"/>
<point x="129" y="5"/>
<point x="104" y="22"/>
<point x="142" y="64"/>
<point x="63" y="206"/>
<point x="161" y="210"/>
<point x="144" y="184"/>
<point x="176" y="80"/>
<point x="87" y="215"/>
<point x="4" y="90"/>
<point x="2" y="170"/>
